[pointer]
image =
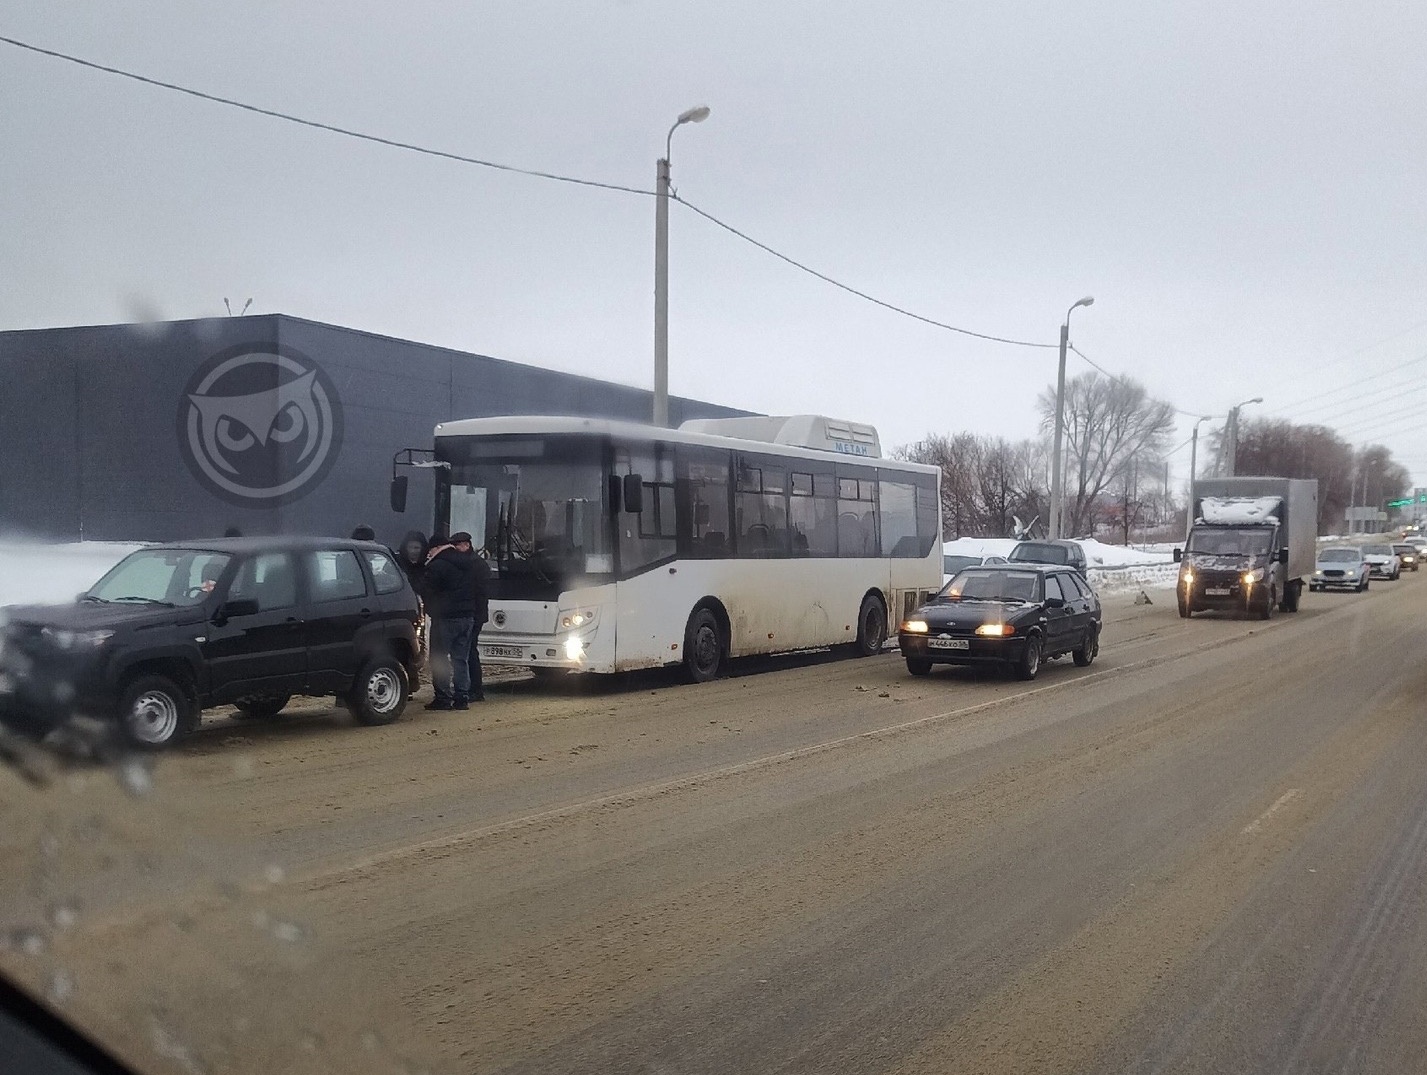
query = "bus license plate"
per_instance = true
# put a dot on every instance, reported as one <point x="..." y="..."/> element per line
<point x="949" y="643"/>
<point x="1216" y="591"/>
<point x="504" y="651"/>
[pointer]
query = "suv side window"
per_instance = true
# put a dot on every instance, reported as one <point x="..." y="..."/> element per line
<point x="336" y="575"/>
<point x="385" y="573"/>
<point x="267" y="578"/>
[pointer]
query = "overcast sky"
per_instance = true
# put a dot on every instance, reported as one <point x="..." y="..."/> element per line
<point x="1238" y="184"/>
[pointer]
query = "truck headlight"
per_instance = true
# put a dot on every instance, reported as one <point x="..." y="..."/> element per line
<point x="1187" y="577"/>
<point x="1251" y="577"/>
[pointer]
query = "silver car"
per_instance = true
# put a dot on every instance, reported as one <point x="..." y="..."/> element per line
<point x="1382" y="561"/>
<point x="1341" y="567"/>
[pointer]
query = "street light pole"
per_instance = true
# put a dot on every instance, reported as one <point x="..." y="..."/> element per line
<point x="661" y="268"/>
<point x="1193" y="462"/>
<point x="1056" y="468"/>
<point x="1231" y="453"/>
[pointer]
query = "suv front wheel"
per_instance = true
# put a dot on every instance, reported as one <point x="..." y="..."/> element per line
<point x="155" y="712"/>
<point x="380" y="691"/>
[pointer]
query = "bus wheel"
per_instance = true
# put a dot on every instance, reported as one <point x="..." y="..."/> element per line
<point x="704" y="648"/>
<point x="871" y="626"/>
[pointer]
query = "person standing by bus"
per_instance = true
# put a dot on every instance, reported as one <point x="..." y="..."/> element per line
<point x="452" y="597"/>
<point x="411" y="555"/>
<point x="482" y="614"/>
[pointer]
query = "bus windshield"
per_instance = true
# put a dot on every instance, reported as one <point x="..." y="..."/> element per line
<point x="539" y="513"/>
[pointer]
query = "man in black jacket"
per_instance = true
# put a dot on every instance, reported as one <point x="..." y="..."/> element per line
<point x="451" y="593"/>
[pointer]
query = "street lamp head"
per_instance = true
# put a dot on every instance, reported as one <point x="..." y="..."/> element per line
<point x="695" y="115"/>
<point x="1256" y="399"/>
<point x="1088" y="300"/>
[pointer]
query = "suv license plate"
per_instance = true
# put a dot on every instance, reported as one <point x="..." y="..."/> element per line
<point x="1217" y="591"/>
<point x="504" y="651"/>
<point x="948" y="643"/>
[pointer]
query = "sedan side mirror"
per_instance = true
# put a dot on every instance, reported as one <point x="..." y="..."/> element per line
<point x="1178" y="555"/>
<point x="1055" y="602"/>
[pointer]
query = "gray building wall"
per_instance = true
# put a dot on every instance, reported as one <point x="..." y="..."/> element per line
<point x="92" y="436"/>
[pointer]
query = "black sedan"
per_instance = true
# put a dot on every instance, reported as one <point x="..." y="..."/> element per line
<point x="1015" y="615"/>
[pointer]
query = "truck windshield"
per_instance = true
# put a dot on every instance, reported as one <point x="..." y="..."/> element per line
<point x="538" y="508"/>
<point x="1230" y="541"/>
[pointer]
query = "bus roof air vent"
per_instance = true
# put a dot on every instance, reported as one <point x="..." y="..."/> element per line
<point x="799" y="430"/>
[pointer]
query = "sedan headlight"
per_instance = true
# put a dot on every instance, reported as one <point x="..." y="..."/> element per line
<point x="577" y="617"/>
<point x="995" y="630"/>
<point x="915" y="627"/>
<point x="71" y="640"/>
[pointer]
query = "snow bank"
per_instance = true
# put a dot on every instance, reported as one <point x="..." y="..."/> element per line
<point x="979" y="547"/>
<point x="51" y="574"/>
<point x="1097" y="553"/>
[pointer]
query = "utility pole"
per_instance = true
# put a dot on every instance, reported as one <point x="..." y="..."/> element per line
<point x="661" y="269"/>
<point x="1056" y="473"/>
<point x="1232" y="435"/>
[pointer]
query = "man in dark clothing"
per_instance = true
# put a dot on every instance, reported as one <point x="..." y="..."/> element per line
<point x="482" y="614"/>
<point x="451" y="600"/>
<point x="411" y="555"/>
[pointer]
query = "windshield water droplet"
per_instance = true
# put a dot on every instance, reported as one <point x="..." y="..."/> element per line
<point x="136" y="776"/>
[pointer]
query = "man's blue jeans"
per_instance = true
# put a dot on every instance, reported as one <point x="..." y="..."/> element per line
<point x="450" y="658"/>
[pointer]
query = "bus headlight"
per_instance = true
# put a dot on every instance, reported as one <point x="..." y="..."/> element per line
<point x="578" y="617"/>
<point x="574" y="649"/>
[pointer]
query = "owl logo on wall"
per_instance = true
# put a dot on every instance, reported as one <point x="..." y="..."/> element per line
<point x="260" y="425"/>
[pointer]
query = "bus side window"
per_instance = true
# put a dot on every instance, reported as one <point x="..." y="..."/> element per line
<point x="856" y="513"/>
<point x="812" y="515"/>
<point x="703" y="503"/>
<point x="762" y="510"/>
<point x="897" y="514"/>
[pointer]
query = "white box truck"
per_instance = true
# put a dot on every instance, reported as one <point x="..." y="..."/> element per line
<point x="1252" y="545"/>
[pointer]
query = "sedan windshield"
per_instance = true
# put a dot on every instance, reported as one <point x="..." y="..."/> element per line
<point x="1037" y="552"/>
<point x="1377" y="550"/>
<point x="987" y="585"/>
<point x="1339" y="556"/>
<point x="161" y="576"/>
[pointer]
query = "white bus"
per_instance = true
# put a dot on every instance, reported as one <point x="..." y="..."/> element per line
<point x="617" y="546"/>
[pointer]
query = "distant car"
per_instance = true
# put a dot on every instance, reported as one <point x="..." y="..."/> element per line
<point x="1056" y="551"/>
<point x="1340" y="568"/>
<point x="951" y="563"/>
<point x="1382" y="561"/>
<point x="1014" y="615"/>
<point x="1409" y="554"/>
<point x="171" y="630"/>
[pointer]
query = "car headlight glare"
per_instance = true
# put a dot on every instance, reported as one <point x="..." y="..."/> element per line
<point x="69" y="640"/>
<point x="915" y="627"/>
<point x="1188" y="577"/>
<point x="995" y="630"/>
<point x="1251" y="577"/>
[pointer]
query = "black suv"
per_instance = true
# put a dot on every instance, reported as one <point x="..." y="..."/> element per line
<point x="1009" y="614"/>
<point x="1052" y="551"/>
<point x="174" y="629"/>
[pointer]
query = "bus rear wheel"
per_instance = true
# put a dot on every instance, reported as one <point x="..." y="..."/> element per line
<point x="705" y="651"/>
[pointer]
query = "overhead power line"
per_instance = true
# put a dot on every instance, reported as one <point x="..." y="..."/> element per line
<point x="847" y="287"/>
<point x="1121" y="376"/>
<point x="346" y="132"/>
<point x="461" y="158"/>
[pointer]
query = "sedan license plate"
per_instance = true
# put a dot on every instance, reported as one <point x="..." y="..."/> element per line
<point x="504" y="651"/>
<point x="1216" y="591"/>
<point x="949" y="643"/>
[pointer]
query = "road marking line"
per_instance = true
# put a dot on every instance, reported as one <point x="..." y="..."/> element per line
<point x="632" y="795"/>
<point x="1278" y="804"/>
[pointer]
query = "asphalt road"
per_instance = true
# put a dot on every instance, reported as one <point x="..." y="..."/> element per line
<point x="1205" y="853"/>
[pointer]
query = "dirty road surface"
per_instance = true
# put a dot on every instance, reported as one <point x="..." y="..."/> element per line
<point x="1204" y="853"/>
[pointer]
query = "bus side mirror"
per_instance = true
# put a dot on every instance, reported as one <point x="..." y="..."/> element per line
<point x="634" y="493"/>
<point x="615" y="487"/>
<point x="1178" y="555"/>
<point x="1283" y="555"/>
<point x="398" y="493"/>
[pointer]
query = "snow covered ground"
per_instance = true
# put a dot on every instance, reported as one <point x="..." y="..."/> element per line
<point x="41" y="574"/>
<point x="1110" y="567"/>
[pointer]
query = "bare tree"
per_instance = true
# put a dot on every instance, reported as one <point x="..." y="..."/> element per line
<point x="1108" y="421"/>
<point x="986" y="482"/>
